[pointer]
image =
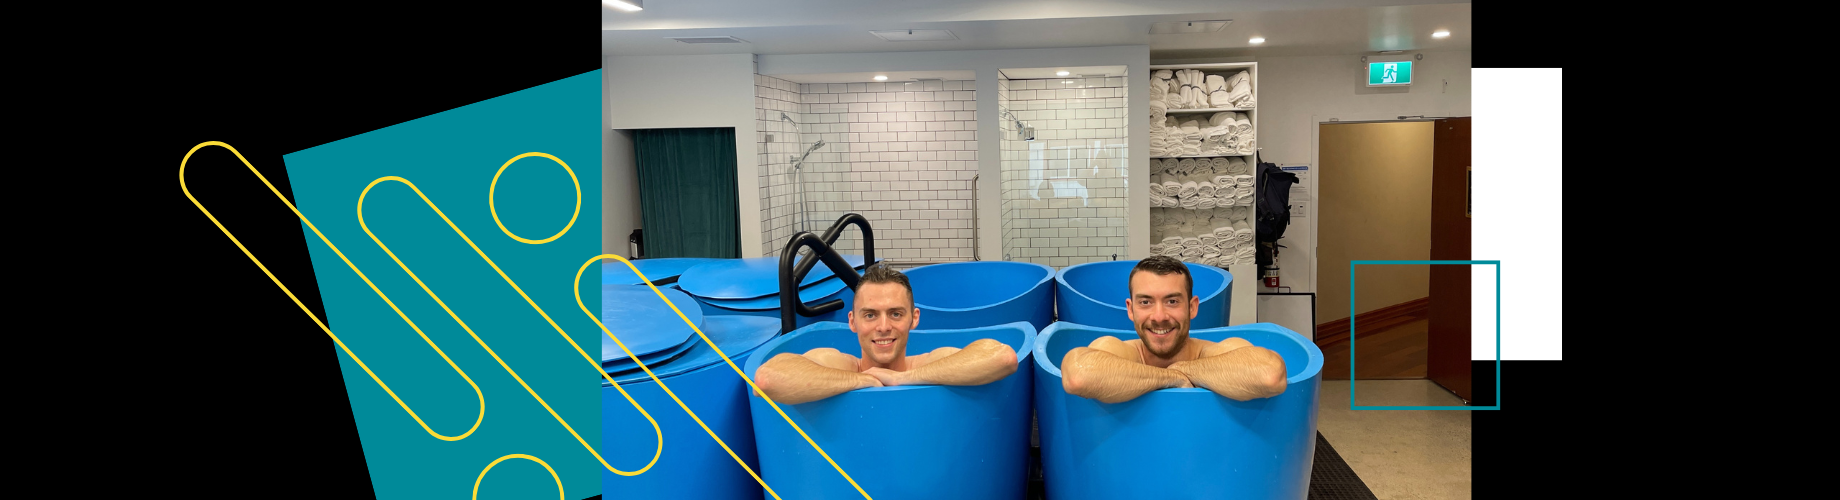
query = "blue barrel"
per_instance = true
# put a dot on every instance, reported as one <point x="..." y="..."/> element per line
<point x="753" y="307"/>
<point x="1178" y="443"/>
<point x="1095" y="294"/>
<point x="958" y="443"/>
<point x="692" y="465"/>
<point x="986" y="293"/>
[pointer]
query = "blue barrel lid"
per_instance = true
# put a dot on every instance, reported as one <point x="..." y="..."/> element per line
<point x="748" y="278"/>
<point x="735" y="335"/>
<point x="823" y="291"/>
<point x="643" y="322"/>
<point x="616" y="273"/>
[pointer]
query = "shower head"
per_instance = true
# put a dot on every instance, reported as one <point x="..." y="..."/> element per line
<point x="800" y="160"/>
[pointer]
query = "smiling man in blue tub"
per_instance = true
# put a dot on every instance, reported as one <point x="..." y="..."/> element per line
<point x="882" y="316"/>
<point x="1162" y="356"/>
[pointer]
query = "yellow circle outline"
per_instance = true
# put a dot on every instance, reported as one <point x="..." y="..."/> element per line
<point x="492" y="202"/>
<point x="552" y="473"/>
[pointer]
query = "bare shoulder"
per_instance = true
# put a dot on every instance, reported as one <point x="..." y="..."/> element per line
<point x="832" y="358"/>
<point x="1210" y="348"/>
<point x="1126" y="349"/>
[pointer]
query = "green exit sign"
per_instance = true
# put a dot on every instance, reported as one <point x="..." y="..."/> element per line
<point x="1386" y="74"/>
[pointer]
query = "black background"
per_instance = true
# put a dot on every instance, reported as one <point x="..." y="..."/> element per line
<point x="269" y="416"/>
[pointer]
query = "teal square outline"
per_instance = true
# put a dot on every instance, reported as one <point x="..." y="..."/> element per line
<point x="1351" y="314"/>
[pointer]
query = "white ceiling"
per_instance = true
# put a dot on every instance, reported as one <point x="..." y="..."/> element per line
<point x="869" y="76"/>
<point x="694" y="14"/>
<point x="839" y="26"/>
<point x="1073" y="72"/>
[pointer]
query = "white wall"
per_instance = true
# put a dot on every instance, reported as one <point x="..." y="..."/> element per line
<point x="901" y="154"/>
<point x="985" y="65"/>
<point x="1064" y="193"/>
<point x="699" y="91"/>
<point x="1296" y="93"/>
<point x="779" y="207"/>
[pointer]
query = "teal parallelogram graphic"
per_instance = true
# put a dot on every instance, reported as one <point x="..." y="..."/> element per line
<point x="452" y="157"/>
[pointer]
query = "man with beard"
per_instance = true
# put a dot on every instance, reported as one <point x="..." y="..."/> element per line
<point x="882" y="315"/>
<point x="1161" y="305"/>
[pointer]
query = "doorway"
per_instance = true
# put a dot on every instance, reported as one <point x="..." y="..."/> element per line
<point x="687" y="192"/>
<point x="1394" y="190"/>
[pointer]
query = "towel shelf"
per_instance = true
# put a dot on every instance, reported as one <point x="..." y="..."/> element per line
<point x="1245" y="271"/>
<point x="1208" y="110"/>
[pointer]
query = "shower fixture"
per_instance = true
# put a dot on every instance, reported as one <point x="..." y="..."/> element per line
<point x="1025" y="132"/>
<point x="798" y="170"/>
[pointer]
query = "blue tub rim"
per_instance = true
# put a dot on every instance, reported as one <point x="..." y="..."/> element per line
<point x="717" y="303"/>
<point x="1313" y="369"/>
<point x="1023" y="353"/>
<point x="1044" y="279"/>
<point x="1060" y="278"/>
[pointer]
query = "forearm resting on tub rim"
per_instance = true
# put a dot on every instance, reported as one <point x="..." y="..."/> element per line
<point x="792" y="379"/>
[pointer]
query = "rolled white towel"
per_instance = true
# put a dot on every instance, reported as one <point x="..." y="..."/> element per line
<point x="1190" y="128"/>
<point x="1162" y="74"/>
<point x="1217" y="91"/>
<point x="1170" y="201"/>
<point x="1241" y="227"/>
<point x="1220" y="181"/>
<point x="1239" y="191"/>
<point x="1243" y="201"/>
<point x="1210" y="258"/>
<point x="1221" y="120"/>
<point x="1189" y="188"/>
<point x="1158" y="110"/>
<point x="1191" y="242"/>
<point x="1172" y="240"/>
<point x="1172" y="188"/>
<point x="1237" y="166"/>
<point x="1207" y="203"/>
<point x="1245" y="251"/>
<point x="1204" y="189"/>
<point x="1219" y="166"/>
<point x="1241" y="123"/>
<point x="1242" y="181"/>
<point x="1156" y="185"/>
<point x="1225" y="231"/>
<point x="1206" y="239"/>
<point x="1189" y="202"/>
<point x="1185" y="166"/>
<point x="1247" y="147"/>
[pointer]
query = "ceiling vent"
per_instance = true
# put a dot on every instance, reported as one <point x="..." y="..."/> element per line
<point x="914" y="35"/>
<point x="1186" y="27"/>
<point x="707" y="39"/>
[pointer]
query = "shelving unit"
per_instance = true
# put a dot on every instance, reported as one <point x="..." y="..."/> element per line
<point x="1245" y="276"/>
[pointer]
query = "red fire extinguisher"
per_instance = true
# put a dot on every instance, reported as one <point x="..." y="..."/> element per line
<point x="1270" y="273"/>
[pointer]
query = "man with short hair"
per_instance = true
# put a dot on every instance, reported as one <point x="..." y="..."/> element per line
<point x="1161" y="304"/>
<point x="882" y="316"/>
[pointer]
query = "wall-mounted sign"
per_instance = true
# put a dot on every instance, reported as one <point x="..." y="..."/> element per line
<point x="1389" y="74"/>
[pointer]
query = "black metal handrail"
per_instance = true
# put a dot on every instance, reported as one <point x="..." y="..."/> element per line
<point x="836" y="231"/>
<point x="789" y="277"/>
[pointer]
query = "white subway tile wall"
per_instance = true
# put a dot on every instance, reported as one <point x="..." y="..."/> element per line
<point x="900" y="154"/>
<point x="1064" y="199"/>
<point x="778" y="193"/>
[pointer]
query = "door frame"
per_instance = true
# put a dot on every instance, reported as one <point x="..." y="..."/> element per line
<point x="1316" y="123"/>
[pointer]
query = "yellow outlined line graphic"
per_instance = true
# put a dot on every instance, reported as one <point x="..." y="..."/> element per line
<point x="303" y="307"/>
<point x="552" y="473"/>
<point x="508" y="280"/>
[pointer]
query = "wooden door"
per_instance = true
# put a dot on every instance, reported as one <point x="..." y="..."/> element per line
<point x="1448" y="338"/>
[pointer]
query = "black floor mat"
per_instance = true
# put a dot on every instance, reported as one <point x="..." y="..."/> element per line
<point x="1332" y="479"/>
<point x="1330" y="476"/>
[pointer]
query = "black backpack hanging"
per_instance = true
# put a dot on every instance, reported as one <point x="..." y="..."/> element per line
<point x="1273" y="186"/>
<point x="1274" y="201"/>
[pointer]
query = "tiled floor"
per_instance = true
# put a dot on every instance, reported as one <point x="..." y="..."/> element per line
<point x="1400" y="454"/>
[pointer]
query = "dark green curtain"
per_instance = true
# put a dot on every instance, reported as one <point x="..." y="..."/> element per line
<point x="687" y="192"/>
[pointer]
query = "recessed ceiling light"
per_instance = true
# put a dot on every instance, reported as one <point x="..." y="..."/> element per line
<point x="625" y="5"/>
<point x="1061" y="73"/>
<point x="1182" y="27"/>
<point x="914" y="35"/>
<point x="707" y="39"/>
<point x="1257" y="39"/>
<point x="1441" y="34"/>
<point x="881" y="77"/>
